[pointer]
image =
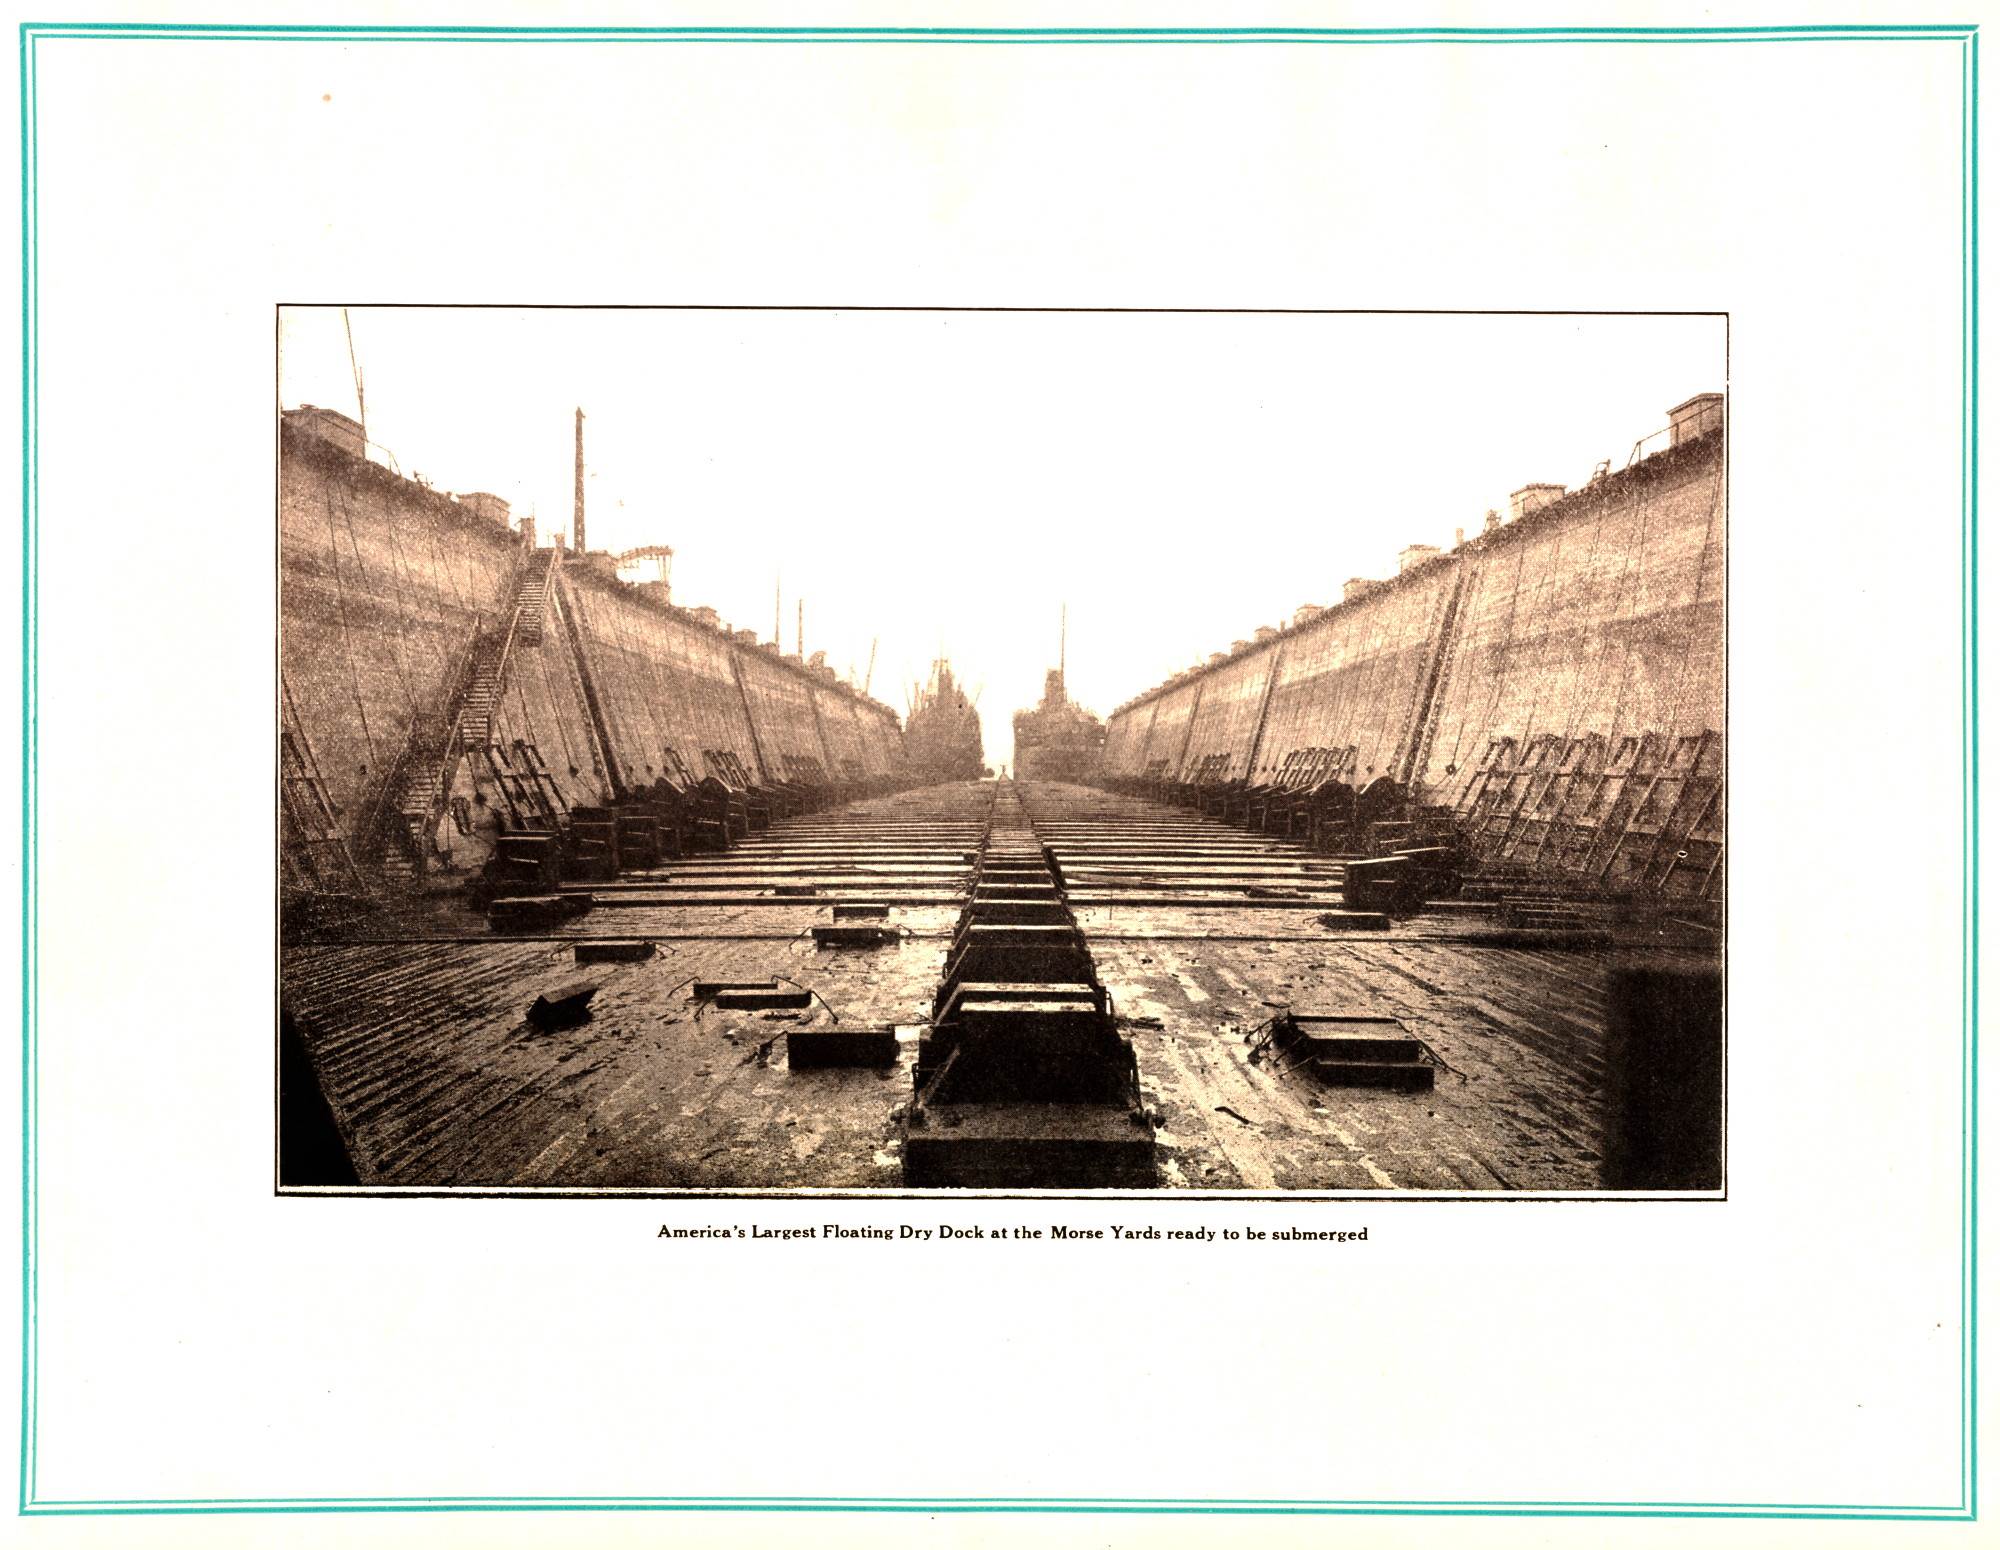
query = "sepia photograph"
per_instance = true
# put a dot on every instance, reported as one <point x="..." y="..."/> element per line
<point x="766" y="749"/>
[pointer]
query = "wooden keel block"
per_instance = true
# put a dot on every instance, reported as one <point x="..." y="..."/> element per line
<point x="762" y="1000"/>
<point x="530" y="912"/>
<point x="708" y="990"/>
<point x="1028" y="1146"/>
<point x="1409" y="1076"/>
<point x="855" y="936"/>
<point x="563" y="1007"/>
<point x="613" y="952"/>
<point x="809" y="1049"/>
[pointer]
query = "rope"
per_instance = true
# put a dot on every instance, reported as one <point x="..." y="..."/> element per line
<point x="562" y="728"/>
<point x="346" y="639"/>
<point x="1701" y="571"/>
<point x="1576" y="679"/>
<point x="1550" y="572"/>
<point x="813" y="993"/>
<point x="440" y="566"/>
<point x="1513" y="602"/>
<point x="1634" y="557"/>
<point x="402" y="609"/>
<point x="1425" y="1046"/>
<point x="400" y="641"/>
<point x="1672" y="722"/>
<point x="1269" y="1029"/>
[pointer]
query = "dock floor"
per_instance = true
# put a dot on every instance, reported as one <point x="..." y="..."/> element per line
<point x="416" y="1017"/>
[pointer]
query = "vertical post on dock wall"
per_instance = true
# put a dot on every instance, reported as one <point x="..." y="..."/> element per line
<point x="1264" y="707"/>
<point x="1412" y="756"/>
<point x="764" y="775"/>
<point x="576" y="525"/>
<point x="1146" y="739"/>
<point x="1187" y="737"/>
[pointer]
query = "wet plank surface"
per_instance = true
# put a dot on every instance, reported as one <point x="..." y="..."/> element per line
<point x="417" y="1021"/>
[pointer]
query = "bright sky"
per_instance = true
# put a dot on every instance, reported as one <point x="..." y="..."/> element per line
<point x="946" y="481"/>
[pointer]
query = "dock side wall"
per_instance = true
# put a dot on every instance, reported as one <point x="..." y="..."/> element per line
<point x="781" y="708"/>
<point x="1165" y="745"/>
<point x="854" y="738"/>
<point x="384" y="585"/>
<point x="1602" y="616"/>
<point x="662" y="682"/>
<point x="1350" y="679"/>
<point x="542" y="704"/>
<point x="1125" y="741"/>
<point x="1225" y="723"/>
<point x="1599" y="614"/>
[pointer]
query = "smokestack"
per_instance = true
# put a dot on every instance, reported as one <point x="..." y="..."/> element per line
<point x="576" y="524"/>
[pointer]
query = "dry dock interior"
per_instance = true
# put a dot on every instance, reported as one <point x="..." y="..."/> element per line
<point x="1419" y="890"/>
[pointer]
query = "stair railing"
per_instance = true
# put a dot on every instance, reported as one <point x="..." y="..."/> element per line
<point x="427" y="729"/>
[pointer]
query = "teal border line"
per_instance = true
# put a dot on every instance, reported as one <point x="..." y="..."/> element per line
<point x="30" y="721"/>
<point x="1966" y="34"/>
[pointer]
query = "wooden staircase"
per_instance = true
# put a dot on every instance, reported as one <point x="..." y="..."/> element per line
<point x="493" y="651"/>
<point x="424" y="778"/>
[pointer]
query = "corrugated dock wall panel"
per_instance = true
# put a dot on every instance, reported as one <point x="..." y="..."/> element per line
<point x="884" y="737"/>
<point x="858" y="730"/>
<point x="1125" y="740"/>
<point x="1605" y="618"/>
<point x="1225" y="722"/>
<point x="662" y="682"/>
<point x="781" y="706"/>
<point x="841" y="731"/>
<point x="382" y="584"/>
<point x="1600" y="615"/>
<point x="542" y="704"/>
<point x="1166" y="738"/>
<point x="1350" y="679"/>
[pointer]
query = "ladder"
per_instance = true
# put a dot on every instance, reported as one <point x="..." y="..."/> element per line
<point x="495" y="650"/>
<point x="534" y="800"/>
<point x="314" y="852"/>
<point x="471" y="697"/>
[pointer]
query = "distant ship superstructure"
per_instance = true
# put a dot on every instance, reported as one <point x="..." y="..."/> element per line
<point x="1057" y="739"/>
<point x="941" y="737"/>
